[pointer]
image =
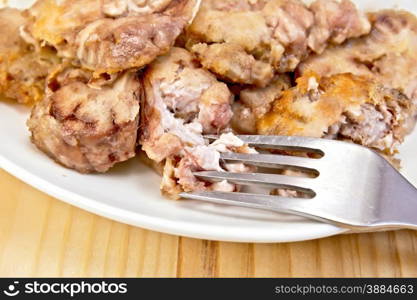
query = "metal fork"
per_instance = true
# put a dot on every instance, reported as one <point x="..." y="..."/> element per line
<point x="354" y="187"/>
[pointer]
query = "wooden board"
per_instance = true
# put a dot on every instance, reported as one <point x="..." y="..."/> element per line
<point x="41" y="236"/>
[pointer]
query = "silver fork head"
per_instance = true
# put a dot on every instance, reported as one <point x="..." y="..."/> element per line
<point x="353" y="187"/>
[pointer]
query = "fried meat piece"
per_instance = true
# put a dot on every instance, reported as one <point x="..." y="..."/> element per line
<point x="22" y="71"/>
<point x="86" y="125"/>
<point x="110" y="36"/>
<point x="342" y="106"/>
<point x="181" y="102"/>
<point x="387" y="55"/>
<point x="246" y="42"/>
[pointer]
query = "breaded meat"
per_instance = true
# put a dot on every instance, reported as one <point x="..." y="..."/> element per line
<point x="84" y="124"/>
<point x="110" y="36"/>
<point x="247" y="42"/>
<point x="342" y="106"/>
<point x="388" y="54"/>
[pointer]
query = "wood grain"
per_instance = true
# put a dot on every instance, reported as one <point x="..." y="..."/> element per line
<point x="41" y="236"/>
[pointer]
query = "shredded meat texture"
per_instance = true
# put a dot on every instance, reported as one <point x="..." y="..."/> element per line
<point x="247" y="42"/>
<point x="342" y="106"/>
<point x="22" y="71"/>
<point x="110" y="36"/>
<point x="84" y="125"/>
<point x="387" y="54"/>
<point x="181" y="103"/>
<point x="178" y="169"/>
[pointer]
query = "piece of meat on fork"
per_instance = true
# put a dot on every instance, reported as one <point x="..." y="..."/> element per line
<point x="181" y="103"/>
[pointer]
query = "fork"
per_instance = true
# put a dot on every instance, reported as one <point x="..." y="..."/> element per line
<point x="354" y="187"/>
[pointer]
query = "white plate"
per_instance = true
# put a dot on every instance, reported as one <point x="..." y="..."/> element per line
<point x="129" y="193"/>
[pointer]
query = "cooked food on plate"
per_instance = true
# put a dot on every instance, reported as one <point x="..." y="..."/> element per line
<point x="248" y="41"/>
<point x="110" y="79"/>
<point x="387" y="54"/>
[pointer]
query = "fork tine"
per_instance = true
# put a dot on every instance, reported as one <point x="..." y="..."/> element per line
<point x="274" y="161"/>
<point x="301" y="184"/>
<point x="282" y="142"/>
<point x="276" y="203"/>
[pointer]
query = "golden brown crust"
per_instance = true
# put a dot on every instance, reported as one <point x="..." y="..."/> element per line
<point x="386" y="54"/>
<point x="300" y="111"/>
<point x="342" y="106"/>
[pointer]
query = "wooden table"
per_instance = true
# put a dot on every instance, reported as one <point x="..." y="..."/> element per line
<point x="41" y="236"/>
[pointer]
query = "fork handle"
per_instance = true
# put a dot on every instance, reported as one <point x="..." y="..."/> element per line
<point x="397" y="208"/>
<point x="399" y="203"/>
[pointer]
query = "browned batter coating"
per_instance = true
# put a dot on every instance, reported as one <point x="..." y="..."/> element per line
<point x="388" y="54"/>
<point x="110" y="36"/>
<point x="342" y="106"/>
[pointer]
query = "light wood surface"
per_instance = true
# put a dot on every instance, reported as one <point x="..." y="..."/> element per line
<point x="41" y="236"/>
